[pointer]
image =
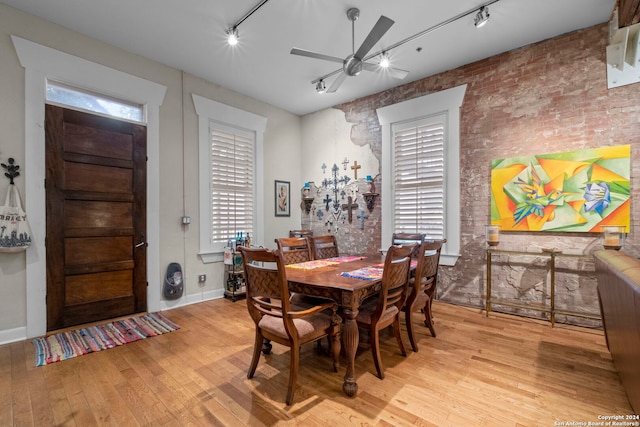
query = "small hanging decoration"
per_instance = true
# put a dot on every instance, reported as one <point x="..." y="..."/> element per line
<point x="12" y="169"/>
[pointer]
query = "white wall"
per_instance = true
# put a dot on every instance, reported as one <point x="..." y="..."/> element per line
<point x="178" y="157"/>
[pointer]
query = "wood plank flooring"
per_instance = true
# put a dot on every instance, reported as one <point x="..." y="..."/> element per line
<point x="497" y="371"/>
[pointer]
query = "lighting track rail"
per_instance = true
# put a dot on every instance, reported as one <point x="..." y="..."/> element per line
<point x="415" y="36"/>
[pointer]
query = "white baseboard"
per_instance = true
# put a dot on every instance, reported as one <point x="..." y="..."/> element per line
<point x="12" y="335"/>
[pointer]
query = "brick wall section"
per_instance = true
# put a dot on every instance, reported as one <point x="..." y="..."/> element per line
<point x="544" y="98"/>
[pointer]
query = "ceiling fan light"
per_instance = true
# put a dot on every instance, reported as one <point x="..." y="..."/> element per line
<point x="321" y="87"/>
<point x="384" y="60"/>
<point x="232" y="36"/>
<point x="482" y="17"/>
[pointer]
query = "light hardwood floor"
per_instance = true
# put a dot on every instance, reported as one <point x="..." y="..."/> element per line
<point x="497" y="371"/>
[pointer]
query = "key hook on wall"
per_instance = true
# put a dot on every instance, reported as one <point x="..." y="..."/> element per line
<point x="12" y="169"/>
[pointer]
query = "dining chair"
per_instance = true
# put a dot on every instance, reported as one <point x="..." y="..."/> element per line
<point x="382" y="311"/>
<point x="282" y="322"/>
<point x="406" y="238"/>
<point x="422" y="287"/>
<point x="323" y="246"/>
<point x="300" y="233"/>
<point x="294" y="249"/>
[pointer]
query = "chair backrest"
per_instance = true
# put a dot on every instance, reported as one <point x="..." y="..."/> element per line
<point x="300" y="233"/>
<point x="266" y="284"/>
<point x="323" y="246"/>
<point x="294" y="249"/>
<point x="407" y="238"/>
<point x="426" y="272"/>
<point x="395" y="279"/>
<point x="430" y="268"/>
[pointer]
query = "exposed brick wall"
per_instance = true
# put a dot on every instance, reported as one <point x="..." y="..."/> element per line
<point x="544" y="98"/>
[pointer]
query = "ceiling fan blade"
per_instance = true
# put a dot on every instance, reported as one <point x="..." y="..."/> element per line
<point x="397" y="73"/>
<point x="393" y="72"/>
<point x="309" y="54"/>
<point x="378" y="30"/>
<point x="337" y="82"/>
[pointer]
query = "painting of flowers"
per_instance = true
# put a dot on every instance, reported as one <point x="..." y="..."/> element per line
<point x="577" y="191"/>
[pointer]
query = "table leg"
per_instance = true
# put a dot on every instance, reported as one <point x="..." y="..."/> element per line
<point x="350" y="340"/>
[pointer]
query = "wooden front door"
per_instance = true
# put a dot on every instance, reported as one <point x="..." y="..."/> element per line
<point x="96" y="217"/>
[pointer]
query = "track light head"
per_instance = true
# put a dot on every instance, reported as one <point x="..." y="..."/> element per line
<point x="321" y="87"/>
<point x="384" y="60"/>
<point x="232" y="36"/>
<point x="481" y="17"/>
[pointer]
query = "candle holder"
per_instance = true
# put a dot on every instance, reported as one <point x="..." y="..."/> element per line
<point x="613" y="236"/>
<point x="493" y="235"/>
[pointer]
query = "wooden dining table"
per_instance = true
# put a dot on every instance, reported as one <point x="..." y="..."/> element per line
<point x="327" y="281"/>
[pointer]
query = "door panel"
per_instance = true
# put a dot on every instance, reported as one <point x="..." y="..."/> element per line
<point x="96" y="217"/>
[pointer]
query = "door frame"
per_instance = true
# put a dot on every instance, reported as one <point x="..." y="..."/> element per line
<point x="42" y="63"/>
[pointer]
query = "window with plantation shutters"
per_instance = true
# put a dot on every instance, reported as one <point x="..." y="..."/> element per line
<point x="421" y="158"/>
<point x="232" y="183"/>
<point x="418" y="176"/>
<point x="230" y="163"/>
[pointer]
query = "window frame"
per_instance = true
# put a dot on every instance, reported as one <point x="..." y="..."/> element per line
<point x="447" y="102"/>
<point x="209" y="114"/>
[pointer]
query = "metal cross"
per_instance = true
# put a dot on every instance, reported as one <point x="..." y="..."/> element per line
<point x="362" y="216"/>
<point x="326" y="200"/>
<point x="324" y="168"/>
<point x="355" y="168"/>
<point x="349" y="207"/>
<point x="345" y="163"/>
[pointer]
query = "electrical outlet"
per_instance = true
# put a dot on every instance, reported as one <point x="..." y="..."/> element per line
<point x="202" y="278"/>
<point x="186" y="220"/>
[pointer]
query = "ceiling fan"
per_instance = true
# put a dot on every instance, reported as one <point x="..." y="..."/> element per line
<point x="353" y="64"/>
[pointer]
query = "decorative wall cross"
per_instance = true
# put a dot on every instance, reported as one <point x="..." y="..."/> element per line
<point x="324" y="168"/>
<point x="327" y="200"/>
<point x="362" y="216"/>
<point x="345" y="163"/>
<point x="355" y="168"/>
<point x="349" y="207"/>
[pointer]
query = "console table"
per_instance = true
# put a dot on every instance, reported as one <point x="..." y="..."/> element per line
<point x="551" y="309"/>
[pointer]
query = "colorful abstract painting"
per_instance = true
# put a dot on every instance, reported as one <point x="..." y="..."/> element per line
<point x="576" y="191"/>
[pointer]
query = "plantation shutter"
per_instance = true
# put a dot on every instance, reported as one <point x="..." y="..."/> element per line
<point x="419" y="176"/>
<point x="232" y="182"/>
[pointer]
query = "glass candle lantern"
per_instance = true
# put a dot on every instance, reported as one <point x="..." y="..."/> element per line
<point x="613" y="236"/>
<point x="493" y="235"/>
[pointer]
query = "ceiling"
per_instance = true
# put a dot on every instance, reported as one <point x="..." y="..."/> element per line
<point x="190" y="36"/>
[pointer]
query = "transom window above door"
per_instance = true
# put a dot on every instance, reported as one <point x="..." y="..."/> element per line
<point x="80" y="99"/>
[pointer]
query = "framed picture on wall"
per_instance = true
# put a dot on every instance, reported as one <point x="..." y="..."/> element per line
<point x="283" y="198"/>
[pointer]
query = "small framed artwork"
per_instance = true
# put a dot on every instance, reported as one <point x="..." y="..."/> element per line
<point x="283" y="198"/>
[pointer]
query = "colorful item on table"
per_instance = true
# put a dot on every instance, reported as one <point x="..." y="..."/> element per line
<point x="309" y="265"/>
<point x="365" y="273"/>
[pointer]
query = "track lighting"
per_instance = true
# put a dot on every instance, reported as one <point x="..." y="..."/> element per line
<point x="232" y="32"/>
<point x="232" y="36"/>
<point x="481" y="17"/>
<point x="321" y="87"/>
<point x="384" y="60"/>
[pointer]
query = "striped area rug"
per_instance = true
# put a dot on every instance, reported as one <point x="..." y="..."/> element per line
<point x="70" y="344"/>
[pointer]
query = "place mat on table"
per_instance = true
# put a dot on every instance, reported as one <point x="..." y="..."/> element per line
<point x="309" y="265"/>
<point x="366" y="273"/>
